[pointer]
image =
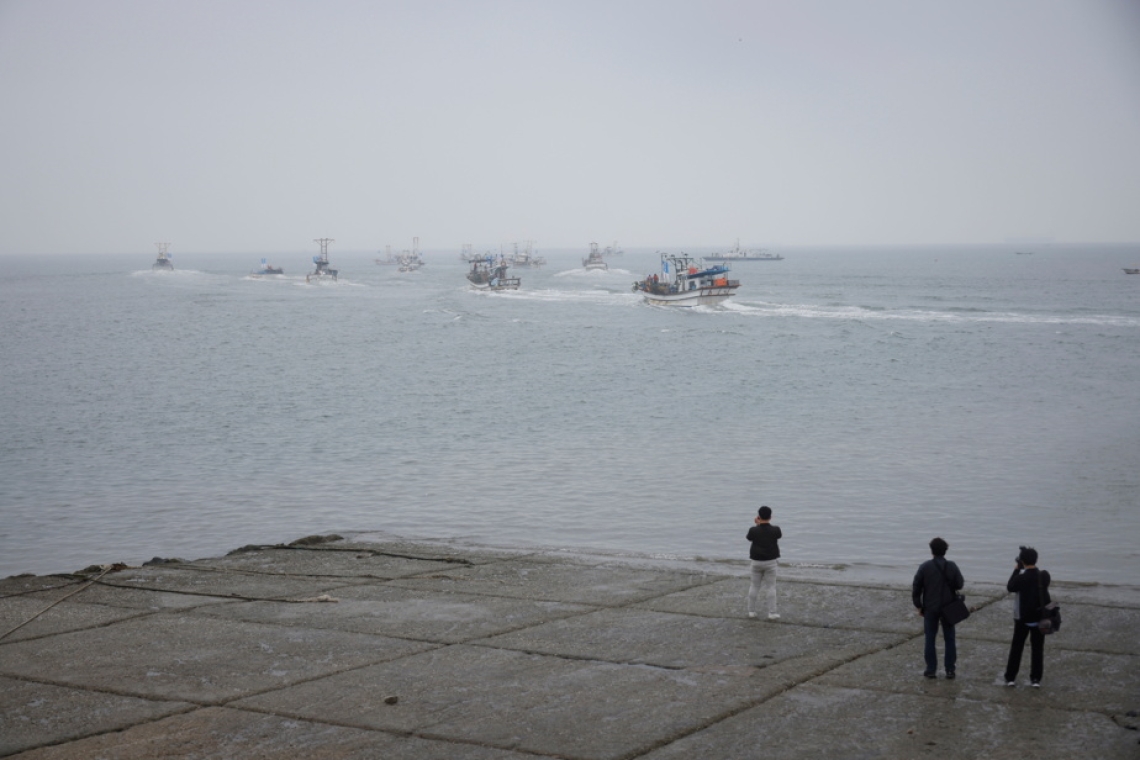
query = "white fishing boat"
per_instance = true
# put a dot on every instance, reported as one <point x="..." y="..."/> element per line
<point x="595" y="259"/>
<point x="164" y="257"/>
<point x="687" y="281"/>
<point x="736" y="253"/>
<point x="410" y="261"/>
<point x="322" y="271"/>
<point x="525" y="257"/>
<point x="487" y="274"/>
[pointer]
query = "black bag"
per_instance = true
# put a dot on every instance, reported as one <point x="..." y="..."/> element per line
<point x="956" y="611"/>
<point x="1050" y="619"/>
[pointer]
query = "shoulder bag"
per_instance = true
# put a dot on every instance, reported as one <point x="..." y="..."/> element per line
<point x="1050" y="621"/>
<point x="956" y="611"/>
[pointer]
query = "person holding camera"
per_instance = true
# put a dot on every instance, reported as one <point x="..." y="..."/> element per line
<point x="1032" y="588"/>
<point x="936" y="584"/>
<point x="765" y="556"/>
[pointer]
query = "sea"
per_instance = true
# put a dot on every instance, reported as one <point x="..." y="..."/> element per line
<point x="873" y="397"/>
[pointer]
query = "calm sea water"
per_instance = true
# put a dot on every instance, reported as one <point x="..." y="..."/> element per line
<point x="874" y="398"/>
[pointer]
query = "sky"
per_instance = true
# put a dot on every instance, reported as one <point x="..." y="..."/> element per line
<point x="259" y="125"/>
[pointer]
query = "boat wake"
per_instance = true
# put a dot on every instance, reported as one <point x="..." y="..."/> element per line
<point x="594" y="274"/>
<point x="565" y="296"/>
<point x="955" y="315"/>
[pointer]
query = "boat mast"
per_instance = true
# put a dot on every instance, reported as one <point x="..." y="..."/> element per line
<point x="324" y="248"/>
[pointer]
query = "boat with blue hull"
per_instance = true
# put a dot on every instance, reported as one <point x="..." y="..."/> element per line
<point x="687" y="281"/>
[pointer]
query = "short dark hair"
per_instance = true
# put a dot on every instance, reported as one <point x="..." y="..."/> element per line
<point x="938" y="547"/>
<point x="765" y="513"/>
<point x="1028" y="555"/>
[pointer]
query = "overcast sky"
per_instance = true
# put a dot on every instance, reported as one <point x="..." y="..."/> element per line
<point x="256" y="126"/>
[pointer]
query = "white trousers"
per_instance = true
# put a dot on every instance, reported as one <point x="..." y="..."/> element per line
<point x="763" y="580"/>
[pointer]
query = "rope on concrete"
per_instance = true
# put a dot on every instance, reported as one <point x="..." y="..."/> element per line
<point x="106" y="569"/>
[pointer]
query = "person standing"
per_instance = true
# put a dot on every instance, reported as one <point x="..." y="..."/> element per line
<point x="1032" y="588"/>
<point x="935" y="585"/>
<point x="765" y="556"/>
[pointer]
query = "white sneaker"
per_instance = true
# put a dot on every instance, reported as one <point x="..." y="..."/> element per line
<point x="751" y="614"/>
<point x="773" y="616"/>
<point x="1011" y="683"/>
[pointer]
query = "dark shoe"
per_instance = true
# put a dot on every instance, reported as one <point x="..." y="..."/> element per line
<point x="930" y="675"/>
<point x="950" y="674"/>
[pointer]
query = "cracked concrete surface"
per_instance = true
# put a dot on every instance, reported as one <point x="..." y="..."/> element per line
<point x="434" y="650"/>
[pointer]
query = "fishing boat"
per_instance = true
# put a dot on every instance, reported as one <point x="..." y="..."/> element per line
<point x="266" y="268"/>
<point x="1131" y="271"/>
<point x="687" y="281"/>
<point x="595" y="260"/>
<point x="736" y="253"/>
<point x="164" y="256"/>
<point x="487" y="274"/>
<point x="322" y="271"/>
<point x="525" y="257"/>
<point x="410" y="261"/>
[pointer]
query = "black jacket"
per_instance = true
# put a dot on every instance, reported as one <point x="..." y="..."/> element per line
<point x="765" y="542"/>
<point x="1030" y="598"/>
<point x="930" y="591"/>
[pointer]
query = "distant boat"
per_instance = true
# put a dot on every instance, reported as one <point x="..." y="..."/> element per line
<point x="322" y="271"/>
<point x="410" y="261"/>
<point x="736" y="253"/>
<point x="595" y="260"/>
<point x="526" y="257"/>
<point x="487" y="274"/>
<point x="1131" y="271"/>
<point x="389" y="257"/>
<point x="1024" y="253"/>
<point x="266" y="268"/>
<point x="687" y="281"/>
<point x="164" y="256"/>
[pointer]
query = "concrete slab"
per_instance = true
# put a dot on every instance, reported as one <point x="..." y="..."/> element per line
<point x="66" y="616"/>
<point x="349" y="566"/>
<point x="457" y="552"/>
<point x="181" y="656"/>
<point x="565" y="657"/>
<point x="218" y="733"/>
<point x="130" y="598"/>
<point x="216" y="582"/>
<point x="817" y="721"/>
<point x="35" y="714"/>
<point x="1073" y="680"/>
<point x="532" y="703"/>
<point x="688" y="641"/>
<point x="814" y="604"/>
<point x="1086" y="626"/>
<point x="536" y="578"/>
<point x="422" y="615"/>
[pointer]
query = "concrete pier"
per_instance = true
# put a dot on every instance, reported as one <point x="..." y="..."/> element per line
<point x="373" y="647"/>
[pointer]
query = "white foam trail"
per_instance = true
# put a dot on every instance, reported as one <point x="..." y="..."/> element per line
<point x="813" y="311"/>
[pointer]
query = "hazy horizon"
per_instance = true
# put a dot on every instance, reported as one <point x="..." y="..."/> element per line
<point x="255" y="127"/>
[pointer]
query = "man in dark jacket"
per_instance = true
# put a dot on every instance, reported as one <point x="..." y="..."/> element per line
<point x="936" y="584"/>
<point x="765" y="556"/>
<point x="1032" y="588"/>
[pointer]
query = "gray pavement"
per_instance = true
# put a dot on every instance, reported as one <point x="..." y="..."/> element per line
<point x="401" y="649"/>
